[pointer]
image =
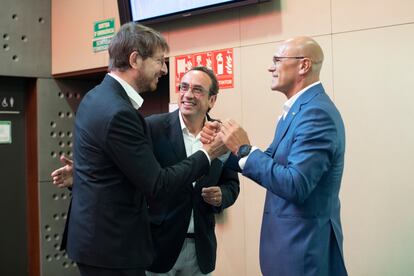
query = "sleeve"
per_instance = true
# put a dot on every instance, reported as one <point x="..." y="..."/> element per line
<point x="230" y="188"/>
<point x="130" y="148"/>
<point x="232" y="163"/>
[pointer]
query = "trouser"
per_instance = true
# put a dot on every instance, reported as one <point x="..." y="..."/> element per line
<point x="87" y="270"/>
<point x="186" y="264"/>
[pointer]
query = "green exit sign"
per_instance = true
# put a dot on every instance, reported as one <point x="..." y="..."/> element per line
<point x="103" y="31"/>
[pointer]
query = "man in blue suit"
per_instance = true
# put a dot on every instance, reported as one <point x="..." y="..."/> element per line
<point x="301" y="170"/>
<point x="115" y="170"/>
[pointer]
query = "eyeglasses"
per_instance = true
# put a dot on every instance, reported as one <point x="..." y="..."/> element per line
<point x="195" y="89"/>
<point x="160" y="60"/>
<point x="277" y="60"/>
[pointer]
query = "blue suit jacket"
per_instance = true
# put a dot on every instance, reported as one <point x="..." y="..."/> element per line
<point x="115" y="174"/>
<point x="170" y="217"/>
<point x="301" y="171"/>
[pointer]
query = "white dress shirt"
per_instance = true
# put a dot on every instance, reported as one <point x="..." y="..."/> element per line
<point x="133" y="95"/>
<point x="192" y="144"/>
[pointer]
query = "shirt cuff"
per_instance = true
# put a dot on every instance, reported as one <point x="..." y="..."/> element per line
<point x="242" y="161"/>
<point x="208" y="157"/>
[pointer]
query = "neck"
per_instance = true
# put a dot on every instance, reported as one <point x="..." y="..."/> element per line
<point x="194" y="124"/>
<point x="126" y="76"/>
<point x="300" y="86"/>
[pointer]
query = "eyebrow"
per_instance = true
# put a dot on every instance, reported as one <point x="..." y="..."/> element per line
<point x="193" y="85"/>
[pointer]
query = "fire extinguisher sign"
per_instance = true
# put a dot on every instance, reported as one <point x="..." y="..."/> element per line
<point x="220" y="61"/>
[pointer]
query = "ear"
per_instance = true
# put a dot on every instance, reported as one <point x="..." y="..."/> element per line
<point x="212" y="101"/>
<point x="135" y="60"/>
<point x="305" y="66"/>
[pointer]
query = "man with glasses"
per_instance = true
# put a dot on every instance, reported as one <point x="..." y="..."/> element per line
<point x="301" y="170"/>
<point x="116" y="172"/>
<point x="182" y="224"/>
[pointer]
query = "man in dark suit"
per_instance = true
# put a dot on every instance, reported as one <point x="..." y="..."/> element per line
<point x="301" y="170"/>
<point x="115" y="170"/>
<point x="182" y="224"/>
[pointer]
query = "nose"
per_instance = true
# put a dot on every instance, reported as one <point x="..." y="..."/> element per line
<point x="189" y="93"/>
<point x="271" y="68"/>
<point x="164" y="69"/>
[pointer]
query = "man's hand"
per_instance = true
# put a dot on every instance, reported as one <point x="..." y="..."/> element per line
<point x="215" y="148"/>
<point x="212" y="195"/>
<point x="62" y="177"/>
<point x="212" y="142"/>
<point x="233" y="135"/>
<point x="209" y="131"/>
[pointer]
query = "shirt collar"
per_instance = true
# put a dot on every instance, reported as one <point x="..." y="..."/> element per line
<point x="289" y="103"/>
<point x="182" y="124"/>
<point x="133" y="95"/>
<point x="184" y="128"/>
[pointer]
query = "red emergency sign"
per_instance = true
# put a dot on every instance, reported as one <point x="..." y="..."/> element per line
<point x="220" y="61"/>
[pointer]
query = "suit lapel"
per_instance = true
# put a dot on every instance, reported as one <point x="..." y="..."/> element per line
<point x="176" y="139"/>
<point x="214" y="173"/>
<point x="117" y="87"/>
<point x="283" y="125"/>
<point x="213" y="176"/>
<point x="175" y="135"/>
<point x="280" y="132"/>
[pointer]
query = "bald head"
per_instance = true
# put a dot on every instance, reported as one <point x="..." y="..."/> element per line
<point x="296" y="64"/>
<point x="306" y="47"/>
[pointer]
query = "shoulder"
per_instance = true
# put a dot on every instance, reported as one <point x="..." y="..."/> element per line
<point x="316" y="100"/>
<point x="108" y="93"/>
<point x="105" y="107"/>
<point x="157" y="119"/>
<point x="324" y="106"/>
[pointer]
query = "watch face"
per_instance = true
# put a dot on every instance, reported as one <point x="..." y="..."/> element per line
<point x="244" y="150"/>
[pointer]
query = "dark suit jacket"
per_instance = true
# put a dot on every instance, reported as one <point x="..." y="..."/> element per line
<point x="302" y="170"/>
<point x="170" y="217"/>
<point x="115" y="173"/>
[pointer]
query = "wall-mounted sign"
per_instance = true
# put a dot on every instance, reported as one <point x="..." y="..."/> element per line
<point x="10" y="103"/>
<point x="5" y="132"/>
<point x="103" y="31"/>
<point x="220" y="61"/>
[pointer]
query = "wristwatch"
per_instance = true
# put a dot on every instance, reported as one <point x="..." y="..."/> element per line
<point x="244" y="150"/>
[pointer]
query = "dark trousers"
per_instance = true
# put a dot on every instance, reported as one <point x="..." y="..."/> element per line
<point x="86" y="270"/>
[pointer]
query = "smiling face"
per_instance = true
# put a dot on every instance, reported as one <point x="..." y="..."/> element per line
<point x="296" y="65"/>
<point x="194" y="99"/>
<point x="150" y="70"/>
<point x="285" y="70"/>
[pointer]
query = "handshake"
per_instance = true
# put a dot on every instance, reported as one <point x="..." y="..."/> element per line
<point x="218" y="138"/>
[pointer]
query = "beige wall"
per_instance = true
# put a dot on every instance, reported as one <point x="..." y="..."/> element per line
<point x="72" y="33"/>
<point x="368" y="48"/>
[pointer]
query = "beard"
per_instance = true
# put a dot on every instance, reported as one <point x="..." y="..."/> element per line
<point x="146" y="83"/>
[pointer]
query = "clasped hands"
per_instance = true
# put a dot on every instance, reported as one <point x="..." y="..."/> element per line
<point x="222" y="136"/>
<point x="217" y="139"/>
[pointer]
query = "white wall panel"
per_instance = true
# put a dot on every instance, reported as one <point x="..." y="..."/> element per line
<point x="373" y="89"/>
<point x="281" y="19"/>
<point x="352" y="15"/>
